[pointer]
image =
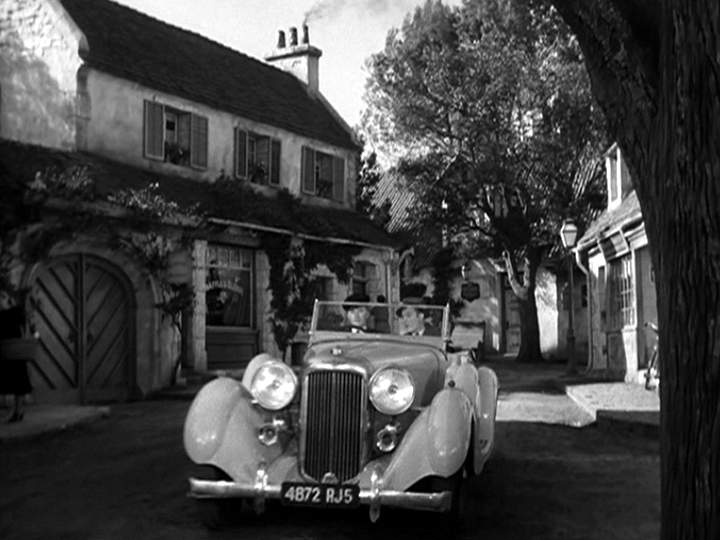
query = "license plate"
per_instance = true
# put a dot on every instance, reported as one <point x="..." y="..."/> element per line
<point x="321" y="495"/>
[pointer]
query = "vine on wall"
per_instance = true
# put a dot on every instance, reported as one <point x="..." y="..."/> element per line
<point x="31" y="231"/>
<point x="292" y="283"/>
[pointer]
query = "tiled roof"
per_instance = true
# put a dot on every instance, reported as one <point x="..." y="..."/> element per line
<point x="234" y="201"/>
<point x="426" y="243"/>
<point x="627" y="212"/>
<point x="128" y="44"/>
<point x="390" y="188"/>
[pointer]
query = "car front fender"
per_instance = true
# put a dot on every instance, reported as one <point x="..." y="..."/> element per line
<point x="221" y="429"/>
<point x="435" y="444"/>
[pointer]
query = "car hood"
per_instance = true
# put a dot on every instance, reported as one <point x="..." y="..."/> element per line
<point x="425" y="363"/>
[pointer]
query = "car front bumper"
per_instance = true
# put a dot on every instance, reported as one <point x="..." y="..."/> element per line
<point x="375" y="497"/>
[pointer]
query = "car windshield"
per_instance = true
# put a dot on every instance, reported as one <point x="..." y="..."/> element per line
<point x="379" y="318"/>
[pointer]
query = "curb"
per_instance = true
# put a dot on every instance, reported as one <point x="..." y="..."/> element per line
<point x="43" y="420"/>
<point x="638" y="427"/>
<point x="612" y="419"/>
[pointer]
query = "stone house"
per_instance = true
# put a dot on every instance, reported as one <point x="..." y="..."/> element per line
<point x="136" y="102"/>
<point x="614" y="253"/>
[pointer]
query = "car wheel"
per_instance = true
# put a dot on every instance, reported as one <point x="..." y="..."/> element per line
<point x="216" y="513"/>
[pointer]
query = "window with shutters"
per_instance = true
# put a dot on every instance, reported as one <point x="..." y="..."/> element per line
<point x="175" y="136"/>
<point x="323" y="175"/>
<point x="257" y="158"/>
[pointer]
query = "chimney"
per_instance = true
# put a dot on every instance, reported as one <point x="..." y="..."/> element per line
<point x="302" y="60"/>
<point x="306" y="35"/>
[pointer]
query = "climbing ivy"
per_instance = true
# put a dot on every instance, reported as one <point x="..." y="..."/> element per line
<point x="292" y="282"/>
<point x="33" y="224"/>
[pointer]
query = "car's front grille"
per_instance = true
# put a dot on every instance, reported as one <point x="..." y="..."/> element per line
<point x="333" y="434"/>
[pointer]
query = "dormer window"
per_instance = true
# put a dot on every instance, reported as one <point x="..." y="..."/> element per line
<point x="257" y="158"/>
<point x="323" y="175"/>
<point x="619" y="183"/>
<point x="175" y="136"/>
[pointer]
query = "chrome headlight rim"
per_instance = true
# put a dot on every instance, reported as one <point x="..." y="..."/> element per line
<point x="259" y="395"/>
<point x="379" y="406"/>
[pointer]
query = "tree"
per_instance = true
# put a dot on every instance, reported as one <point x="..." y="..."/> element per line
<point x="489" y="108"/>
<point x="655" y="71"/>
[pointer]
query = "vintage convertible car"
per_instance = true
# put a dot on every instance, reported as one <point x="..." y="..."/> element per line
<point x="370" y="418"/>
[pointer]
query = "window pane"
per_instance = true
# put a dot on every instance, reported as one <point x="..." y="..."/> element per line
<point x="260" y="158"/>
<point x="324" y="178"/>
<point x="229" y="286"/>
<point x="339" y="179"/>
<point x="275" y="164"/>
<point x="308" y="170"/>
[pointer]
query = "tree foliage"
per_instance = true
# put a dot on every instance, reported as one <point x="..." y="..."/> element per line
<point x="488" y="110"/>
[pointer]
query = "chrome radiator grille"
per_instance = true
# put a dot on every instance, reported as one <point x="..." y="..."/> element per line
<point x="334" y="407"/>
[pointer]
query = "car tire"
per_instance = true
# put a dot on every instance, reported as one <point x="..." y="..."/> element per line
<point x="216" y="513"/>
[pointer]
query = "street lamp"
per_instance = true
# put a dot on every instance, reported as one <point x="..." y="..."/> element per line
<point x="568" y="235"/>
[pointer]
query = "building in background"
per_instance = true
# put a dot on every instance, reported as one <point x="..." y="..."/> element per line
<point x="621" y="282"/>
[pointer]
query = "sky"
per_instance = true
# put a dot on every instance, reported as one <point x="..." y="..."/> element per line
<point x="347" y="32"/>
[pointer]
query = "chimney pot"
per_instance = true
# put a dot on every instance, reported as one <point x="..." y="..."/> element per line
<point x="306" y="34"/>
<point x="281" y="39"/>
<point x="293" y="36"/>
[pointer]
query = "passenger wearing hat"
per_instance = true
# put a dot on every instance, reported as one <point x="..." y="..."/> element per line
<point x="412" y="319"/>
<point x="357" y="313"/>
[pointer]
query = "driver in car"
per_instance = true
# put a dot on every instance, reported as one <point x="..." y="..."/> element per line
<point x="356" y="313"/>
<point x="412" y="320"/>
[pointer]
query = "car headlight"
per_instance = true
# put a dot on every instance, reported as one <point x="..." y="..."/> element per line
<point x="273" y="385"/>
<point x="392" y="390"/>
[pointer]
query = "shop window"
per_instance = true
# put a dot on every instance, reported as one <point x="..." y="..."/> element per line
<point x="229" y="292"/>
<point x="175" y="136"/>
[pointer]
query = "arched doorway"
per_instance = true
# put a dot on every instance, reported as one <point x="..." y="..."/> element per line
<point x="84" y="313"/>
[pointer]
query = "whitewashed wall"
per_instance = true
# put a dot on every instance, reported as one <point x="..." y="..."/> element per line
<point x="38" y="70"/>
<point x="115" y="130"/>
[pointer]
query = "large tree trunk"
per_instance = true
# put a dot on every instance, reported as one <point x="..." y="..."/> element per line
<point x="525" y="292"/>
<point x="656" y="73"/>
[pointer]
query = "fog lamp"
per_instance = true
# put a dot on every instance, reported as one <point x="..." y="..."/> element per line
<point x="268" y="434"/>
<point x="387" y="438"/>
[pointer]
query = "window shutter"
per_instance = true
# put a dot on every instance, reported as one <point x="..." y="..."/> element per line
<point x="338" y="179"/>
<point x="262" y="159"/>
<point x="240" y="153"/>
<point x="154" y="132"/>
<point x="275" y="163"/>
<point x="199" y="141"/>
<point x="308" y="170"/>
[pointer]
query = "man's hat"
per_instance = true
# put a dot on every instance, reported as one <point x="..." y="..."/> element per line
<point x="353" y="301"/>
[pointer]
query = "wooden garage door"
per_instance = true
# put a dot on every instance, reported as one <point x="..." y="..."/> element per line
<point x="84" y="316"/>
